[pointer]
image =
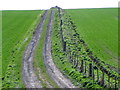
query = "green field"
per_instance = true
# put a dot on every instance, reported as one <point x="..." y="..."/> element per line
<point x="17" y="28"/>
<point x="99" y="29"/>
<point x="83" y="31"/>
<point x="91" y="37"/>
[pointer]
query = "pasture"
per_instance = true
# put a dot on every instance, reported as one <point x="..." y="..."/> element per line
<point x="99" y="29"/>
<point x="87" y="39"/>
<point x="84" y="46"/>
<point x="17" y="29"/>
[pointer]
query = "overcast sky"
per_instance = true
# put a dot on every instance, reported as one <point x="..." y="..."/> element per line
<point x="46" y="4"/>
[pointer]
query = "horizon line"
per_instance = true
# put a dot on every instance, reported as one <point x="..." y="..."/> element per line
<point x="62" y="8"/>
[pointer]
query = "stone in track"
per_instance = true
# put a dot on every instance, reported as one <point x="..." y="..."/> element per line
<point x="28" y="75"/>
<point x="52" y="70"/>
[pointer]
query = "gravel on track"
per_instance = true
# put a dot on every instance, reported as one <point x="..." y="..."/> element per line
<point x="52" y="70"/>
<point x="28" y="75"/>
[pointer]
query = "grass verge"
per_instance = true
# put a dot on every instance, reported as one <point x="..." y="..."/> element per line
<point x="61" y="59"/>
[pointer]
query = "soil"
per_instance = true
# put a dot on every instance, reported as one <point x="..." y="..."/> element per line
<point x="51" y="68"/>
<point x="28" y="75"/>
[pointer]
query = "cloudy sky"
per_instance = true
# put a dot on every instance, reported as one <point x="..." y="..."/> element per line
<point x="46" y="4"/>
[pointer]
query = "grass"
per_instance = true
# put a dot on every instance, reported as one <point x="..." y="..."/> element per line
<point x="0" y="48"/>
<point x="99" y="29"/>
<point x="62" y="60"/>
<point x="76" y="60"/>
<point x="38" y="58"/>
<point x="17" y="28"/>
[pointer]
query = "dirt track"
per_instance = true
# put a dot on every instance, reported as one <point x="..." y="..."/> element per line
<point x="28" y="75"/>
<point x="52" y="70"/>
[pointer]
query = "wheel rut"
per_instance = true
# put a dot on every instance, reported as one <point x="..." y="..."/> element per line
<point x="52" y="70"/>
<point x="28" y="75"/>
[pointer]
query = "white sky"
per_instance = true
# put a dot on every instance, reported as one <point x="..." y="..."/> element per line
<point x="46" y="4"/>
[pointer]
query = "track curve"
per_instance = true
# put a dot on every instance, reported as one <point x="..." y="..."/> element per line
<point x="52" y="70"/>
<point x="28" y="75"/>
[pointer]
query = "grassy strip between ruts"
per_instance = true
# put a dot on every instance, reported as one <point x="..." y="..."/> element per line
<point x="13" y="75"/>
<point x="38" y="60"/>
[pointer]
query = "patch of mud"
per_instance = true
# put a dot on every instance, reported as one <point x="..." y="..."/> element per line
<point x="117" y="17"/>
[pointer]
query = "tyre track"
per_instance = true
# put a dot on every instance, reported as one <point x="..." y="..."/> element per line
<point x="28" y="75"/>
<point x="52" y="70"/>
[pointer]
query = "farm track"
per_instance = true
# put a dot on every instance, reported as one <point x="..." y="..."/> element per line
<point x="52" y="70"/>
<point x="28" y="75"/>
